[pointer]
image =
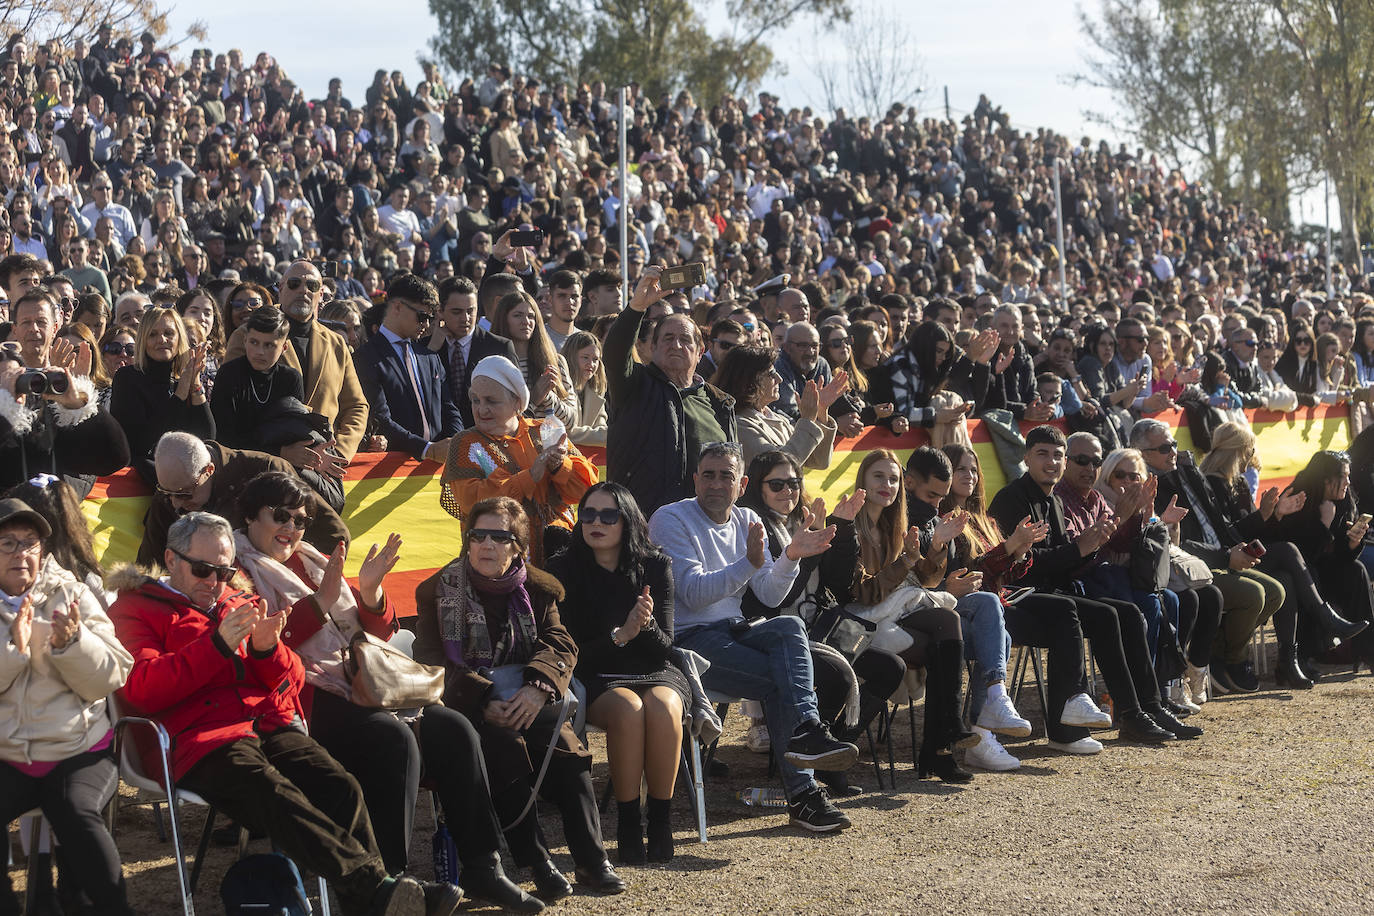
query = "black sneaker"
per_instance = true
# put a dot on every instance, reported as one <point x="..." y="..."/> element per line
<point x="812" y="811"/>
<point x="441" y="898"/>
<point x="1238" y="678"/>
<point x="813" y="747"/>
<point x="1166" y="720"/>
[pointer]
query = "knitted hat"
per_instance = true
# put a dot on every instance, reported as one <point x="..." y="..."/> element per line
<point x="506" y="374"/>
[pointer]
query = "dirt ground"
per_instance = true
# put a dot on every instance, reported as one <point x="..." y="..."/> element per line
<point x="1270" y="812"/>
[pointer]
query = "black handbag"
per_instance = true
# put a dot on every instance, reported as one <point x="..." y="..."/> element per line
<point x="506" y="681"/>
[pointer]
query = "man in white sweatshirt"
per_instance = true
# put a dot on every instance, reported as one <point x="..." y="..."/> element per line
<point x="718" y="551"/>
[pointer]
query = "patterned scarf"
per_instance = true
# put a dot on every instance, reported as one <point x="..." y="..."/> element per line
<point x="468" y="640"/>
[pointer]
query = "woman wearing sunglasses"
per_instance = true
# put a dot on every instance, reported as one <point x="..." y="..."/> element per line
<point x="491" y="608"/>
<point x="1298" y="364"/>
<point x="382" y="752"/>
<point x="777" y="492"/>
<point x="243" y="299"/>
<point x="619" y="609"/>
<point x="117" y="349"/>
<point x="852" y="410"/>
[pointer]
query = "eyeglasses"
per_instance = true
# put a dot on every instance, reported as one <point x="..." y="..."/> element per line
<point x="1132" y="476"/>
<point x="747" y="325"/>
<point x="202" y="570"/>
<point x="482" y="535"/>
<point x="310" y="283"/>
<point x="1085" y="460"/>
<point x="724" y="344"/>
<point x="117" y="349"/>
<point x="778" y="484"/>
<point x="1136" y="339"/>
<point x="184" y="494"/>
<point x="239" y="304"/>
<point x="599" y="516"/>
<point x="287" y="517"/>
<point x="838" y="343"/>
<point x="1302" y="340"/>
<point x="1164" y="448"/>
<point x="12" y="545"/>
<point x="804" y="344"/>
<point x="1247" y="343"/>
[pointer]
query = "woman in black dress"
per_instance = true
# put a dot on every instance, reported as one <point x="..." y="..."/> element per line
<point x="619" y="609"/>
<point x="249" y="390"/>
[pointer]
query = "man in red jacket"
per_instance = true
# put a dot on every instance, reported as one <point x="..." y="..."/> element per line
<point x="209" y="665"/>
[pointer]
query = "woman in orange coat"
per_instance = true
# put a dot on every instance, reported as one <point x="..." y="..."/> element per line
<point x="504" y="455"/>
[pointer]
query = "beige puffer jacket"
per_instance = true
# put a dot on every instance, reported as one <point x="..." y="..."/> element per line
<point x="53" y="703"/>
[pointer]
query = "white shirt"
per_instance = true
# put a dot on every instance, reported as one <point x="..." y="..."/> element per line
<point x="402" y="222"/>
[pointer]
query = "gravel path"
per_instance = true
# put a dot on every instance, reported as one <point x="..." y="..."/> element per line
<point x="1270" y="812"/>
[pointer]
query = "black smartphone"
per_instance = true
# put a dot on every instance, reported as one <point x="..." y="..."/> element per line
<point x="527" y="238"/>
<point x="329" y="269"/>
<point x="685" y="276"/>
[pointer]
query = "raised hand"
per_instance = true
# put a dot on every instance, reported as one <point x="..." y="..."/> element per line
<point x="646" y="290"/>
<point x="1003" y="361"/>
<point x="809" y="403"/>
<point x="237" y="624"/>
<point x="1268" y="502"/>
<point x="849" y="507"/>
<point x="983" y="346"/>
<point x="21" y="630"/>
<point x="755" y="549"/>
<point x="267" y="630"/>
<point x="1173" y="513"/>
<point x="376" y="565"/>
<point x="1291" y="501"/>
<point x="833" y="389"/>
<point x="639" y="616"/>
<point x="950" y="526"/>
<point x="65" y="626"/>
<point x="808" y="541"/>
<point x="332" y="581"/>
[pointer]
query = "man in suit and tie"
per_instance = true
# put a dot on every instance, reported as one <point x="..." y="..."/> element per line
<point x="322" y="358"/>
<point x="461" y="344"/>
<point x="407" y="384"/>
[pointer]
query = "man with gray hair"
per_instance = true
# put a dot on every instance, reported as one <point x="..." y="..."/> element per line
<point x="798" y="363"/>
<point x="194" y="475"/>
<point x="210" y="667"/>
<point x="129" y="309"/>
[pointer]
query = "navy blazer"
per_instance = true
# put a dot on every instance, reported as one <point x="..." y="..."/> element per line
<point x="484" y="343"/>
<point x="386" y="383"/>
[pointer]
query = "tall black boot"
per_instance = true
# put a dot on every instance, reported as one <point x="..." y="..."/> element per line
<point x="951" y="667"/>
<point x="1288" y="673"/>
<point x="937" y="739"/>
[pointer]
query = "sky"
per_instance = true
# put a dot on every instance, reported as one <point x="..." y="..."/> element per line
<point x="1020" y="53"/>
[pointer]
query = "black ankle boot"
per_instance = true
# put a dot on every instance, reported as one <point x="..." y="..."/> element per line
<point x="486" y="880"/>
<point x="940" y="763"/>
<point x="1288" y="673"/>
<point x="629" y="834"/>
<point x="1340" y="629"/>
<point x="660" y="830"/>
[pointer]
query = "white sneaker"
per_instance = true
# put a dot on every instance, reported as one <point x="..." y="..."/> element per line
<point x="1081" y="746"/>
<point x="1179" y="694"/>
<point x="1082" y="712"/>
<point x="1000" y="716"/>
<point x="1195" y="682"/>
<point x="988" y="754"/>
<point x="757" y="740"/>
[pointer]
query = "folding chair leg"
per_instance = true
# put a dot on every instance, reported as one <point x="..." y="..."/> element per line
<point x="698" y="786"/>
<point x="202" y="848"/>
<point x="1019" y="676"/>
<point x="39" y="880"/>
<point x="324" y="898"/>
<point x="1040" y="686"/>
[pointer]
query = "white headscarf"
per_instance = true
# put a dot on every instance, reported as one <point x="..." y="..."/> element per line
<point x="506" y="374"/>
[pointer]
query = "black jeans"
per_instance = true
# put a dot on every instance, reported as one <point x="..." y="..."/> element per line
<point x="1117" y="633"/>
<point x="287" y="786"/>
<point x="1199" y="619"/>
<point x="452" y="753"/>
<point x="1051" y="622"/>
<point x="1285" y="563"/>
<point x="72" y="797"/>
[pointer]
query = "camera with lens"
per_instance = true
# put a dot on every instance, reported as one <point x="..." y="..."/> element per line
<point x="41" y="381"/>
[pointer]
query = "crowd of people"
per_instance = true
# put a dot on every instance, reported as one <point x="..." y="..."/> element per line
<point x="235" y="289"/>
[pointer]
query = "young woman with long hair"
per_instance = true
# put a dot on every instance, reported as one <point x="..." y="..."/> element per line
<point x="518" y="319"/>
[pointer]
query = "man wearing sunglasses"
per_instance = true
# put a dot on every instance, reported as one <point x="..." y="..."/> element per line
<point x="408" y="384"/>
<point x="1133" y="362"/>
<point x="193" y="475"/>
<point x="210" y="666"/>
<point x="725" y="336"/>
<point x="1242" y="364"/>
<point x="322" y="357"/>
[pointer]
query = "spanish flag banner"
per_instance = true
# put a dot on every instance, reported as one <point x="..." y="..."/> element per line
<point x="389" y="491"/>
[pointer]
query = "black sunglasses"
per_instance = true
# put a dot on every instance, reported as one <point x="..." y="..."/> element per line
<point x="778" y="484"/>
<point x="425" y="317"/>
<point x="202" y="570"/>
<point x="310" y="283"/>
<point x="723" y="344"/>
<point x="1163" y="448"/>
<point x="1302" y="340"/>
<point x="836" y="343"/>
<point x="283" y="516"/>
<point x="117" y="349"/>
<point x="599" y="516"/>
<point x="1085" y="460"/>
<point x="482" y="535"/>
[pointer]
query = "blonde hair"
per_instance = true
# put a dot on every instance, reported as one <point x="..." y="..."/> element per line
<point x="1233" y="451"/>
<point x="145" y="328"/>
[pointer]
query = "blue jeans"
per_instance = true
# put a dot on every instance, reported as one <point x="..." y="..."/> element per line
<point x="770" y="662"/>
<point x="1154" y="605"/>
<point x="986" y="644"/>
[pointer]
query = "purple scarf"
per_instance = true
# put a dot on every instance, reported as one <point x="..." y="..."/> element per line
<point x="468" y="641"/>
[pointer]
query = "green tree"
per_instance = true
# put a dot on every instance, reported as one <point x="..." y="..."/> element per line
<point x="663" y="45"/>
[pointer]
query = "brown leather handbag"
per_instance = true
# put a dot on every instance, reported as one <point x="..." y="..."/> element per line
<point x="382" y="676"/>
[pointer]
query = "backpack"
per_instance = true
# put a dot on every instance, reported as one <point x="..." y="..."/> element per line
<point x="267" y="884"/>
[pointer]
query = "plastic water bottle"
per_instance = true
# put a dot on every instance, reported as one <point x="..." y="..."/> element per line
<point x="551" y="429"/>
<point x="763" y="798"/>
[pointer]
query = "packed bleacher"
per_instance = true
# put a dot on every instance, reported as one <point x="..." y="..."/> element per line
<point x="840" y="440"/>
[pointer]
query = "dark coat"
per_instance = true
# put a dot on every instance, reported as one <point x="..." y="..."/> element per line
<point x="233" y="469"/>
<point x="646" y="441"/>
<point x="237" y="408"/>
<point x="144" y="404"/>
<point x="1054" y="561"/>
<point x="386" y="382"/>
<point x="94" y="446"/>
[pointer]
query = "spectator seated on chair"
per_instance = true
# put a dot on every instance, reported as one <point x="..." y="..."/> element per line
<point x="718" y="550"/>
<point x="59" y="661"/>
<point x="777" y="493"/>
<point x="210" y="666"/>
<point x="380" y="750"/>
<point x="619" y="609"/>
<point x="491" y="608"/>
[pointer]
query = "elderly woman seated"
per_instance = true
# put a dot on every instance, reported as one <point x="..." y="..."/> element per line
<point x="491" y="613"/>
<point x="505" y="455"/>
<point x="748" y="375"/>
<point x="59" y="661"/>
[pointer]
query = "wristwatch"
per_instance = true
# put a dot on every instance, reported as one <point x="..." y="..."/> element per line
<point x="615" y="639"/>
